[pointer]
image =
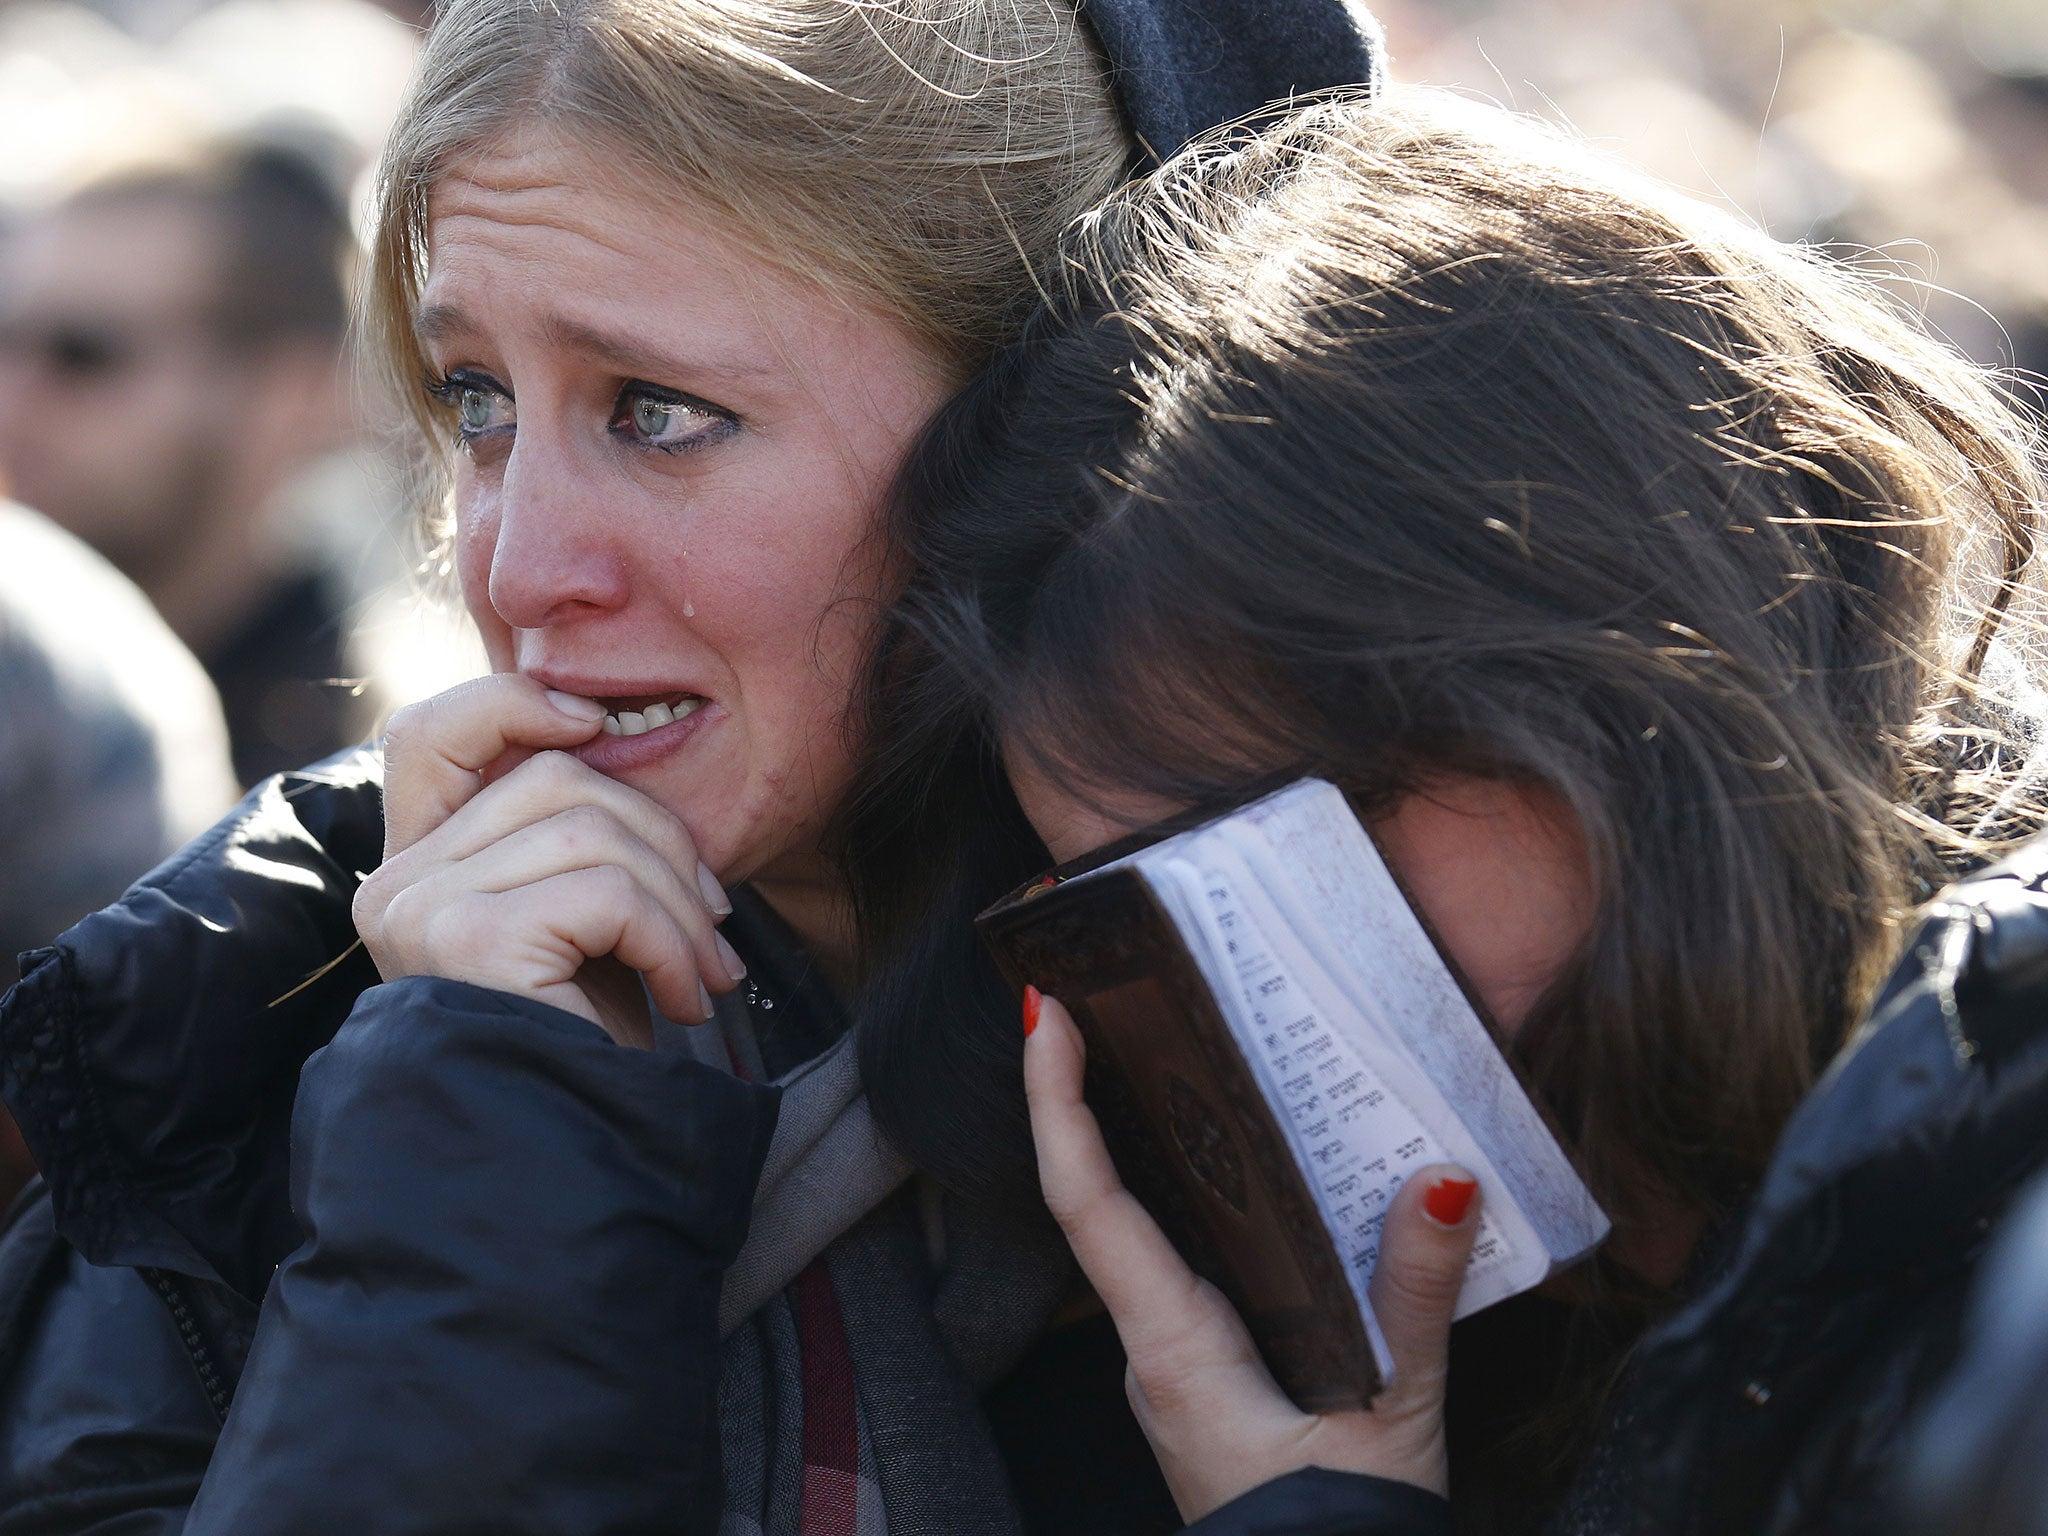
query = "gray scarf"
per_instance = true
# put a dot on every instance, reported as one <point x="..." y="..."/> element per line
<point x="937" y="1302"/>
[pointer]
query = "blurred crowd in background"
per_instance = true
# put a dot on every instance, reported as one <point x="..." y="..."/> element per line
<point x="1908" y="133"/>
<point x="181" y="192"/>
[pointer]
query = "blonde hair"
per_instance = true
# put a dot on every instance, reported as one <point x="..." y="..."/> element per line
<point x="920" y="157"/>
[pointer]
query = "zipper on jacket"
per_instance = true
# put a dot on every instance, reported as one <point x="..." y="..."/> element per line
<point x="211" y="1379"/>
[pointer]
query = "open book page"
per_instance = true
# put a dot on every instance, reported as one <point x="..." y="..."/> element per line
<point x="1238" y="972"/>
<point x="1362" y="1117"/>
<point x="1336" y="896"/>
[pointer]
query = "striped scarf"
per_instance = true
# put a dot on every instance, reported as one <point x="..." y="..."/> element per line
<point x="866" y="1314"/>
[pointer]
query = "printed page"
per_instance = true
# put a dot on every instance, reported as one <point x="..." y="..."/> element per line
<point x="1362" y="1117"/>
<point x="1333" y="893"/>
<point x="1216" y="940"/>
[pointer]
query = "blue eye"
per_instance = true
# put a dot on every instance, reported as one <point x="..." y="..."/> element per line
<point x="480" y="406"/>
<point x="479" y="410"/>
<point x="664" y="419"/>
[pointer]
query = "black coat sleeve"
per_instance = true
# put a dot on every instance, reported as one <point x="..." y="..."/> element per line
<point x="1318" y="1502"/>
<point x="104" y="1427"/>
<point x="504" y="1315"/>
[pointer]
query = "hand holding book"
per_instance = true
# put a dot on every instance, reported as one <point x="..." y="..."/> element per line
<point x="1277" y="1048"/>
<point x="1216" y="1419"/>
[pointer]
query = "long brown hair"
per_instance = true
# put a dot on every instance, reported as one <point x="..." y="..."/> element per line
<point x="1413" y="436"/>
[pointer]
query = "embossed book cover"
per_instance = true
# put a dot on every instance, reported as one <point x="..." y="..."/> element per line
<point x="1274" y="1043"/>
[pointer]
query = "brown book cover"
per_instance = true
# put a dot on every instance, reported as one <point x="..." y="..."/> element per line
<point x="1187" y="1124"/>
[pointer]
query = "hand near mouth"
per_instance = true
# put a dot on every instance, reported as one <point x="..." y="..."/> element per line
<point x="509" y="864"/>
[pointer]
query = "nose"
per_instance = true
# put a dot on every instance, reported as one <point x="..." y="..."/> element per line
<point x="557" y="549"/>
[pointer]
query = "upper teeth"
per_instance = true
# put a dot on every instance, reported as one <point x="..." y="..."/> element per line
<point x="637" y="722"/>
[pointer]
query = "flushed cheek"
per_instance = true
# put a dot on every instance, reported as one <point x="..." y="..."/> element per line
<point x="787" y="725"/>
<point x="793" y="684"/>
<point x="1502" y="874"/>
<point x="793" y="613"/>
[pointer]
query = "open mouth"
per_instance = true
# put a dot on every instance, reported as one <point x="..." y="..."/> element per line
<point x="647" y="712"/>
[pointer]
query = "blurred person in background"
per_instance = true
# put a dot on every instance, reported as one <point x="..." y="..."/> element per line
<point x="170" y="345"/>
<point x="112" y="751"/>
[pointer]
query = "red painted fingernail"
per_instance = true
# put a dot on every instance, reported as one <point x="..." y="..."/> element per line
<point x="1032" y="998"/>
<point x="1448" y="1199"/>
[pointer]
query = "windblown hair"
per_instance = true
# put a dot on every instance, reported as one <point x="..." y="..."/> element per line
<point x="1411" y="439"/>
<point x="919" y="157"/>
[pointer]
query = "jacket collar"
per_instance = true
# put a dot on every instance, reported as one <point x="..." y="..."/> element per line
<point x="1859" y="1243"/>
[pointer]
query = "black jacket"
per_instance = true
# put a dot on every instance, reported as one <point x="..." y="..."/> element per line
<point x="1781" y="1398"/>
<point x="477" y="1351"/>
<point x="526" y="1340"/>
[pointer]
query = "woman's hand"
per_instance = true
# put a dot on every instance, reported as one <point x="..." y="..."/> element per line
<point x="510" y="864"/>
<point x="1215" y="1418"/>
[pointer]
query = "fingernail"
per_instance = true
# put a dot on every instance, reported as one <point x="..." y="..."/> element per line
<point x="576" y="707"/>
<point x="735" y="967"/>
<point x="714" y="893"/>
<point x="1032" y="998"/>
<point x="704" y="1000"/>
<point x="1448" y="1199"/>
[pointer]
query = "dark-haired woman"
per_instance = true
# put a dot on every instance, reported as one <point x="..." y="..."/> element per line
<point x="1641" y="581"/>
<point x="669" y="286"/>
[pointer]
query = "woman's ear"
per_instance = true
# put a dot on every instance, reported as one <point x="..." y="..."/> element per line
<point x="1500" y="872"/>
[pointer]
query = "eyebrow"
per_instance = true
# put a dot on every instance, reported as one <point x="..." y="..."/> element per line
<point x="442" y="322"/>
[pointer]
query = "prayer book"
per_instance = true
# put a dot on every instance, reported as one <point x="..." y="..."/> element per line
<point x="1275" y="1042"/>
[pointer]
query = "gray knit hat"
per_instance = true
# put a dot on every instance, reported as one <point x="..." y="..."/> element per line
<point x="1182" y="67"/>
